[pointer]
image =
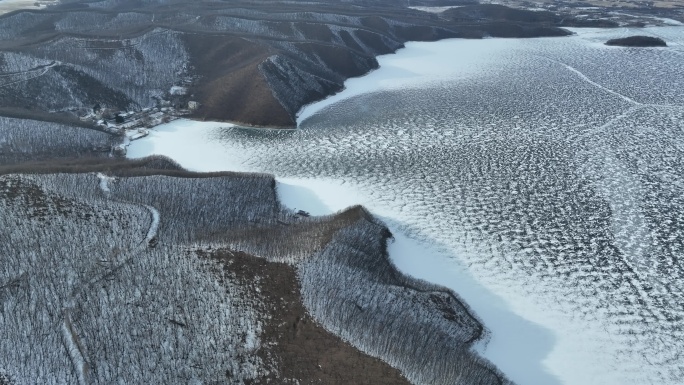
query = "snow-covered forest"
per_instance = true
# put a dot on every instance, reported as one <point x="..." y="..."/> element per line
<point x="32" y="140"/>
<point x="105" y="278"/>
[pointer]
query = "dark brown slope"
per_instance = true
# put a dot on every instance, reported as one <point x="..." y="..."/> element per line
<point x="230" y="86"/>
<point x="303" y="349"/>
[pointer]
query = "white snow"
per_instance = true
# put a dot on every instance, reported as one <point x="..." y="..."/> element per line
<point x="316" y="196"/>
<point x="670" y="21"/>
<point x="104" y="182"/>
<point x="154" y="225"/>
<point x="178" y="90"/>
<point x="71" y="344"/>
<point x="408" y="69"/>
<point x="528" y="342"/>
<point x="189" y="143"/>
<point x="135" y="134"/>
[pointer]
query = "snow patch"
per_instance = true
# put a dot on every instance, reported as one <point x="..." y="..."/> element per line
<point x="192" y="144"/>
<point x="104" y="182"/>
<point x="154" y="226"/>
<point x="178" y="90"/>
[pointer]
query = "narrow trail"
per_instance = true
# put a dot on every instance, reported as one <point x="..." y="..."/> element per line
<point x="151" y="235"/>
<point x="39" y="68"/>
<point x="71" y="340"/>
<point x="73" y="345"/>
<point x="126" y="43"/>
<point x="575" y="138"/>
<point x="636" y="105"/>
<point x="586" y="79"/>
<point x="152" y="231"/>
<point x="619" y="117"/>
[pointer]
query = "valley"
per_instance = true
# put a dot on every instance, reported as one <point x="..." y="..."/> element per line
<point x="181" y="187"/>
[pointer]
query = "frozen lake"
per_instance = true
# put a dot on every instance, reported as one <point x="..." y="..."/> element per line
<point x="541" y="179"/>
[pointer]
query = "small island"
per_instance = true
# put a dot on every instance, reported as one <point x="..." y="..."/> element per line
<point x="638" y="41"/>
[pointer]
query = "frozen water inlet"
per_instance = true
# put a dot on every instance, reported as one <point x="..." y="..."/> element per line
<point x="532" y="219"/>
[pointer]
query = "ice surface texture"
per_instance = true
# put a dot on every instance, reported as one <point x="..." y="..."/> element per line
<point x="551" y="169"/>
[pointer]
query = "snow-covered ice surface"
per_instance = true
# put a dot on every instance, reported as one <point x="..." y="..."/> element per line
<point x="189" y="143"/>
<point x="435" y="9"/>
<point x="541" y="179"/>
<point x="410" y="70"/>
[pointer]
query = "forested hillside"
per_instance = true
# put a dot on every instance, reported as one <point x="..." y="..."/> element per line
<point x="254" y="62"/>
<point x="160" y="279"/>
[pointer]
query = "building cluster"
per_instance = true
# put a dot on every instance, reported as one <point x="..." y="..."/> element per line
<point x="122" y="121"/>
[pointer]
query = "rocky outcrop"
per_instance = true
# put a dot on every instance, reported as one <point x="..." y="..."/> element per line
<point x="638" y="41"/>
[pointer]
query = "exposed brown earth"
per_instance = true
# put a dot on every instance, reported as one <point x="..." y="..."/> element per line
<point x="231" y="87"/>
<point x="299" y="348"/>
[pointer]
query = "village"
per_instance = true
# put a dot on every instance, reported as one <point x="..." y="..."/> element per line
<point x="134" y="125"/>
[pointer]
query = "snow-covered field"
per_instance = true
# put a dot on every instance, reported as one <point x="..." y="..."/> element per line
<point x="540" y="179"/>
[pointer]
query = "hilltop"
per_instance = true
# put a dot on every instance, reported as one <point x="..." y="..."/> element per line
<point x="638" y="41"/>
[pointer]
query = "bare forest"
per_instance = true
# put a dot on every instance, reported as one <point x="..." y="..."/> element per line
<point x="114" y="277"/>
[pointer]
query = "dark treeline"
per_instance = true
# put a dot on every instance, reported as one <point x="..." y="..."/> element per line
<point x="638" y="41"/>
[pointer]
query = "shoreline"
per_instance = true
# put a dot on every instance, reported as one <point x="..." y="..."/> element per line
<point x="504" y="329"/>
<point x="527" y="343"/>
